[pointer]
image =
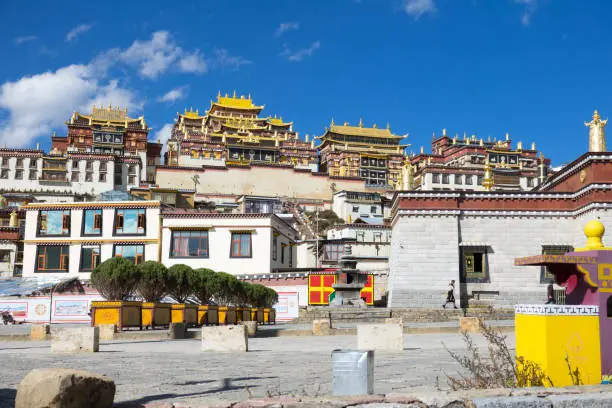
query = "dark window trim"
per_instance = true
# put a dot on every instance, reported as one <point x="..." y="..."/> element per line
<point x="115" y="234"/>
<point x="38" y="224"/>
<point x="38" y="248"/>
<point x="85" y="270"/>
<point x="190" y="257"/>
<point x="101" y="222"/>
<point x="250" y="245"/>
<point x="274" y="246"/>
<point x="485" y="250"/>
<point x="564" y="248"/>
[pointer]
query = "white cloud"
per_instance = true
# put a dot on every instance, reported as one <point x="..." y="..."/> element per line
<point x="284" y="27"/>
<point x="39" y="103"/>
<point x="173" y="95"/>
<point x="530" y="8"/>
<point x="299" y="55"/>
<point x="163" y="134"/>
<point x="78" y="30"/>
<point x="416" y="8"/>
<point x="194" y="63"/>
<point x="222" y="59"/>
<point x="153" y="57"/>
<point x="25" y="38"/>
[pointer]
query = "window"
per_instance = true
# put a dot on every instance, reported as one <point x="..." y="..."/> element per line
<point x="435" y="178"/>
<point x="283" y="246"/>
<point x="445" y="179"/>
<point x="378" y="237"/>
<point x="468" y="179"/>
<point x="19" y="162"/>
<point x="360" y="236"/>
<point x="373" y="209"/>
<point x="18" y="174"/>
<point x="52" y="258"/>
<point x="90" y="257"/>
<point x="32" y="163"/>
<point x="530" y="182"/>
<point x="89" y="177"/>
<point x="130" y="221"/>
<point x="356" y="208"/>
<point x="32" y="175"/>
<point x="290" y="255"/>
<point x="92" y="222"/>
<point x="189" y="244"/>
<point x="4" y="174"/>
<point x="88" y="165"/>
<point x="474" y="264"/>
<point x="54" y="222"/>
<point x="480" y="180"/>
<point x="458" y="179"/>
<point x="134" y="253"/>
<point x="75" y="164"/>
<point x="332" y="252"/>
<point x="275" y="247"/>
<point x="241" y="245"/>
<point x="545" y="275"/>
<point x="102" y="178"/>
<point x="5" y="255"/>
<point x="131" y="179"/>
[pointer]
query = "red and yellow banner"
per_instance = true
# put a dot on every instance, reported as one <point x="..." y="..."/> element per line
<point x="320" y="288"/>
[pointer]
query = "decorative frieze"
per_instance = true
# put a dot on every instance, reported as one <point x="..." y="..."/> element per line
<point x="557" y="310"/>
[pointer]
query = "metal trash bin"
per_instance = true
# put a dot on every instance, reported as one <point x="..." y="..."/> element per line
<point x="352" y="372"/>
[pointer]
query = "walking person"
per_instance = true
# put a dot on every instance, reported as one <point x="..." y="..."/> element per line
<point x="450" y="295"/>
<point x="551" y="294"/>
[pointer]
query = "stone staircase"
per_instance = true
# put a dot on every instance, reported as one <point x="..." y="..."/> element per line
<point x="343" y="315"/>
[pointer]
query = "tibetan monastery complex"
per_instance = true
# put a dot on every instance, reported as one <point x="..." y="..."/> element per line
<point x="462" y="209"/>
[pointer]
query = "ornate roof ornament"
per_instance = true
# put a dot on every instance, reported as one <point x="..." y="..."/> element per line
<point x="597" y="135"/>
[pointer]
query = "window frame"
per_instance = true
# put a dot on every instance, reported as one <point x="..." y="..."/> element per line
<point x="240" y="233"/>
<point x="283" y="246"/>
<point x="484" y="275"/>
<point x="545" y="276"/>
<point x="83" y="247"/>
<point x="274" y="246"/>
<point x="7" y="253"/>
<point x="66" y="213"/>
<point x="83" y="233"/>
<point x="172" y="247"/>
<point x="122" y="234"/>
<point x="64" y="259"/>
<point x="115" y="246"/>
<point x="290" y="255"/>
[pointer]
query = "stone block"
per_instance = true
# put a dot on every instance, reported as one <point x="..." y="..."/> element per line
<point x="321" y="327"/>
<point x="75" y="340"/>
<point x="177" y="330"/>
<point x="107" y="331"/>
<point x="389" y="337"/>
<point x="62" y="387"/>
<point x="469" y="324"/>
<point x="511" y="402"/>
<point x="394" y="320"/>
<point x="592" y="400"/>
<point x="225" y="338"/>
<point x="39" y="331"/>
<point x="251" y="327"/>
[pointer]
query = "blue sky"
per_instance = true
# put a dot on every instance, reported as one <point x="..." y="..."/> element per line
<point x="534" y="68"/>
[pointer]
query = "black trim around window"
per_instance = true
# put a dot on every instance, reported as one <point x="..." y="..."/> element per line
<point x="64" y="259"/>
<point x="81" y="257"/>
<point x="480" y="250"/>
<point x="67" y="213"/>
<point x="83" y="233"/>
<point x="131" y="245"/>
<point x="120" y="234"/>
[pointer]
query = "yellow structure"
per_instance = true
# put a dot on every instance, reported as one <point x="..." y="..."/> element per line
<point x="208" y="314"/>
<point x="155" y="314"/>
<point x="547" y="334"/>
<point x="120" y="313"/>
<point x="183" y="313"/>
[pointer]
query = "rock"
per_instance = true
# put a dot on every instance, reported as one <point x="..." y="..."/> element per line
<point x="512" y="402"/>
<point x="177" y="330"/>
<point x="225" y="338"/>
<point x="394" y="320"/>
<point x="389" y="337"/>
<point x="603" y="400"/>
<point x="251" y="327"/>
<point x="64" y="388"/>
<point x="469" y="324"/>
<point x="39" y="331"/>
<point x="75" y="340"/>
<point x="321" y="327"/>
<point x="107" y="331"/>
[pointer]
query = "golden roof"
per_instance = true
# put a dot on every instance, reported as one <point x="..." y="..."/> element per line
<point x="359" y="130"/>
<point x="235" y="102"/>
<point x="278" y="121"/>
<point x="113" y="114"/>
<point x="191" y="114"/>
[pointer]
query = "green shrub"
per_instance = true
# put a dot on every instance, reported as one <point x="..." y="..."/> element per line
<point x="153" y="284"/>
<point x="116" y="278"/>
<point x="204" y="285"/>
<point x="181" y="282"/>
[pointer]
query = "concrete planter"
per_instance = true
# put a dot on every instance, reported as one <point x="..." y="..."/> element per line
<point x="185" y="313"/>
<point x="156" y="314"/>
<point x="208" y="315"/>
<point x="120" y="313"/>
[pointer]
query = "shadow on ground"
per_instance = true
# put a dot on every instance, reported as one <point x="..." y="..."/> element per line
<point x="7" y="397"/>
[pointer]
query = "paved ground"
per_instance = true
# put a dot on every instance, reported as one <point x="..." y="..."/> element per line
<point x="158" y="371"/>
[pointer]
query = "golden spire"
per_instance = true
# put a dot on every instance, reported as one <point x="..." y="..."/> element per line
<point x="597" y="135"/>
<point x="542" y="167"/>
<point x="234" y="94"/>
<point x="332" y="122"/>
<point x="388" y="126"/>
<point x="444" y="132"/>
<point x="360" y="122"/>
<point x="219" y="94"/>
<point x="422" y="150"/>
<point x="507" y="136"/>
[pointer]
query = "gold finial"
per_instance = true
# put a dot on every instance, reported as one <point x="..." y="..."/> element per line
<point x="481" y="143"/>
<point x="388" y="126"/>
<point x="234" y="96"/>
<point x="507" y="136"/>
<point x="219" y="94"/>
<point x="332" y="122"/>
<point x="596" y="115"/>
<point x="533" y="146"/>
<point x="519" y="145"/>
<point x="594" y="231"/>
<point x="346" y="123"/>
<point x="422" y="150"/>
<point x="488" y="182"/>
<point x="13" y="222"/>
<point x="597" y="133"/>
<point x="360" y="122"/>
<point x="249" y="97"/>
<point x="374" y="126"/>
<point x="444" y="132"/>
<point x="226" y="95"/>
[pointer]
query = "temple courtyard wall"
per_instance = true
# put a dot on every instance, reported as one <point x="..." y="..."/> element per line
<point x="257" y="180"/>
<point x="426" y="254"/>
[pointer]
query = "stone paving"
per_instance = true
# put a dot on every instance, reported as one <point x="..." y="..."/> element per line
<point x="177" y="371"/>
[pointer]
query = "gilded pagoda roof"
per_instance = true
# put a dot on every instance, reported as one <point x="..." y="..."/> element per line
<point x="235" y="102"/>
<point x="278" y="121"/>
<point x="360" y="130"/>
<point x="191" y="114"/>
<point x="110" y="114"/>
